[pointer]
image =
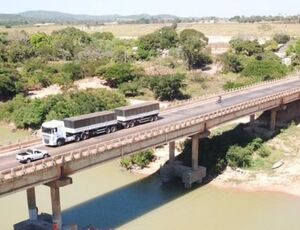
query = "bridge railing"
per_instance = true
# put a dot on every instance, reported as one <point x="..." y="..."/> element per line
<point x="95" y="149"/>
<point x="228" y="92"/>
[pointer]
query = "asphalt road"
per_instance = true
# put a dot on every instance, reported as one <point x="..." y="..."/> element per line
<point x="167" y="117"/>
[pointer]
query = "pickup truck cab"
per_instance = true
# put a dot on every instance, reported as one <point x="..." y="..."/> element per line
<point x="32" y="154"/>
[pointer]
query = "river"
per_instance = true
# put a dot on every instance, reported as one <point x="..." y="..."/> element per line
<point x="109" y="198"/>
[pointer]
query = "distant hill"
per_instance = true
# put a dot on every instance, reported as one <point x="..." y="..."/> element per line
<point x="30" y="17"/>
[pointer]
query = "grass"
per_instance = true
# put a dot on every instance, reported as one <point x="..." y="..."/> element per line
<point x="199" y="85"/>
<point x="7" y="135"/>
<point x="213" y="29"/>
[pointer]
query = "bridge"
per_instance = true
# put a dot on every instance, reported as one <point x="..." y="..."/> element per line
<point x="192" y="118"/>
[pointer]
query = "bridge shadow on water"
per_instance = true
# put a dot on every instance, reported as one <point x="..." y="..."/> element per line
<point x="125" y="204"/>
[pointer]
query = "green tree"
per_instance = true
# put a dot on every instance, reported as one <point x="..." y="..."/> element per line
<point x="148" y="45"/>
<point x="167" y="87"/>
<point x="232" y="63"/>
<point x="42" y="44"/>
<point x="246" y="47"/>
<point x="168" y="38"/>
<point x="10" y="83"/>
<point x="192" y="43"/>
<point x="103" y="36"/>
<point x="118" y="73"/>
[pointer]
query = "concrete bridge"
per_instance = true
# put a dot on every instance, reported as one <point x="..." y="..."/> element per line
<point x="192" y="118"/>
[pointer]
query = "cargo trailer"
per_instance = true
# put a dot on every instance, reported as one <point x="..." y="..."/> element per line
<point x="129" y="116"/>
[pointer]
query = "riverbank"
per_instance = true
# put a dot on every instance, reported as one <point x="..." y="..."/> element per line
<point x="262" y="176"/>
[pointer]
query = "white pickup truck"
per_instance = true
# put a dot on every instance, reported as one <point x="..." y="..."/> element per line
<point x="31" y="155"/>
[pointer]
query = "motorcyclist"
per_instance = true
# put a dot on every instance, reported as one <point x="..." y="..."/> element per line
<point x="219" y="99"/>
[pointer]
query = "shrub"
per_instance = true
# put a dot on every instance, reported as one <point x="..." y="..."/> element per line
<point x="271" y="45"/>
<point x="238" y="156"/>
<point x="264" y="152"/>
<point x="167" y="87"/>
<point x="246" y="47"/>
<point x="141" y="159"/>
<point x="118" y="73"/>
<point x="282" y="38"/>
<point x="256" y="144"/>
<point x="264" y="69"/>
<point x="231" y="63"/>
<point x="130" y="89"/>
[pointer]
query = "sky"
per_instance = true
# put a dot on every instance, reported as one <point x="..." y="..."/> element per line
<point x="198" y="8"/>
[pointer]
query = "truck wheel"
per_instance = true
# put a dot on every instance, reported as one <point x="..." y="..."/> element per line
<point x="59" y="142"/>
<point x="77" y="138"/>
<point x="113" y="129"/>
<point x="108" y="130"/>
<point x="28" y="160"/>
<point x="85" y="136"/>
<point x="132" y="124"/>
<point x="127" y="125"/>
<point x="151" y="119"/>
<point x="155" y="118"/>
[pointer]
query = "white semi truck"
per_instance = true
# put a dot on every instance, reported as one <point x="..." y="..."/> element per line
<point x="57" y="133"/>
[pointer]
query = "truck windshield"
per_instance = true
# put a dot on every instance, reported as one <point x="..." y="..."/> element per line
<point x="46" y="130"/>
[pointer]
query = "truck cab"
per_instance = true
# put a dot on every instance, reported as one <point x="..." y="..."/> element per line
<point x="53" y="133"/>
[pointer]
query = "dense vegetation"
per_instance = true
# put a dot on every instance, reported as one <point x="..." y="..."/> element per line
<point x="254" y="61"/>
<point x="27" y="113"/>
<point x="236" y="148"/>
<point x="34" y="61"/>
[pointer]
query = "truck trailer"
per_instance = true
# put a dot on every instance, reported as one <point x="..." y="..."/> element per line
<point x="129" y="116"/>
<point x="57" y="133"/>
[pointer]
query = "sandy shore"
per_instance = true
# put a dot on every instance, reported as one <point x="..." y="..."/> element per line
<point x="285" y="179"/>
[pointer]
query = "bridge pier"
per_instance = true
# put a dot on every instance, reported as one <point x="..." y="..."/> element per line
<point x="252" y="119"/>
<point x="273" y="120"/>
<point x="45" y="221"/>
<point x="31" y="201"/>
<point x="55" y="200"/>
<point x="171" y="152"/>
<point x="176" y="169"/>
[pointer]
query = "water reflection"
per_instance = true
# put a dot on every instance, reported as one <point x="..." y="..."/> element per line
<point x="125" y="204"/>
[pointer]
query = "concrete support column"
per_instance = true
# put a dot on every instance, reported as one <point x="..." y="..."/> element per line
<point x="195" y="151"/>
<point x="56" y="209"/>
<point x="33" y="210"/>
<point x="171" y="152"/>
<point x="273" y="120"/>
<point x="55" y="200"/>
<point x="252" y="119"/>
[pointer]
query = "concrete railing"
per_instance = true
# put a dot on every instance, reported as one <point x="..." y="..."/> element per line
<point x="20" y="144"/>
<point x="95" y="149"/>
<point x="228" y="92"/>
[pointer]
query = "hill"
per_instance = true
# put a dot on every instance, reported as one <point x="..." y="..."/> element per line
<point x="30" y="17"/>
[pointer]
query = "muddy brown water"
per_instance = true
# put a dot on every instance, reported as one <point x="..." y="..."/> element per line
<point x="109" y="198"/>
